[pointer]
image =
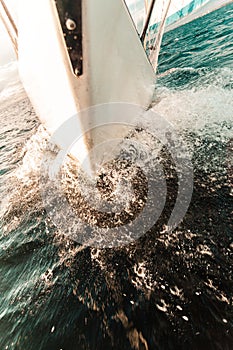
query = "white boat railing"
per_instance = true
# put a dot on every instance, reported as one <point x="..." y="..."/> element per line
<point x="9" y="24"/>
<point x="147" y="20"/>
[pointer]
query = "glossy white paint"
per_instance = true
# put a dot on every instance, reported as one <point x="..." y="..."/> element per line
<point x="115" y="68"/>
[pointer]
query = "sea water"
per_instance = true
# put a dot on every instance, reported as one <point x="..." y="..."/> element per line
<point x="167" y="290"/>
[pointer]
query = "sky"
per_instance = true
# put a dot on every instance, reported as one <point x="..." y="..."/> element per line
<point x="6" y="49"/>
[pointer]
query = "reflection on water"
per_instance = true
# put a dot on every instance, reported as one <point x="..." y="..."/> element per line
<point x="164" y="291"/>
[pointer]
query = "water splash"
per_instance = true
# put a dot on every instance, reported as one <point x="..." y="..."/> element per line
<point x="56" y="293"/>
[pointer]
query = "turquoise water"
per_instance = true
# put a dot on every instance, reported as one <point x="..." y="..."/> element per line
<point x="165" y="291"/>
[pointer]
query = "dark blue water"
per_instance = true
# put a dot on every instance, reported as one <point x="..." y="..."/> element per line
<point x="165" y="291"/>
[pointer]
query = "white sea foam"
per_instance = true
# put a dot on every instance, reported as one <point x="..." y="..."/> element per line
<point x="33" y="155"/>
<point x="202" y="110"/>
<point x="196" y="109"/>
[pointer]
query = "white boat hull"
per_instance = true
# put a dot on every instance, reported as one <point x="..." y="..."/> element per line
<point x="109" y="65"/>
<point x="111" y="72"/>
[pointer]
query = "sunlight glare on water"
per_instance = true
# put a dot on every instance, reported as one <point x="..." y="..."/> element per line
<point x="167" y="290"/>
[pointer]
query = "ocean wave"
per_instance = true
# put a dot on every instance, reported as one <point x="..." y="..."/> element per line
<point x="196" y="78"/>
<point x="9" y="80"/>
